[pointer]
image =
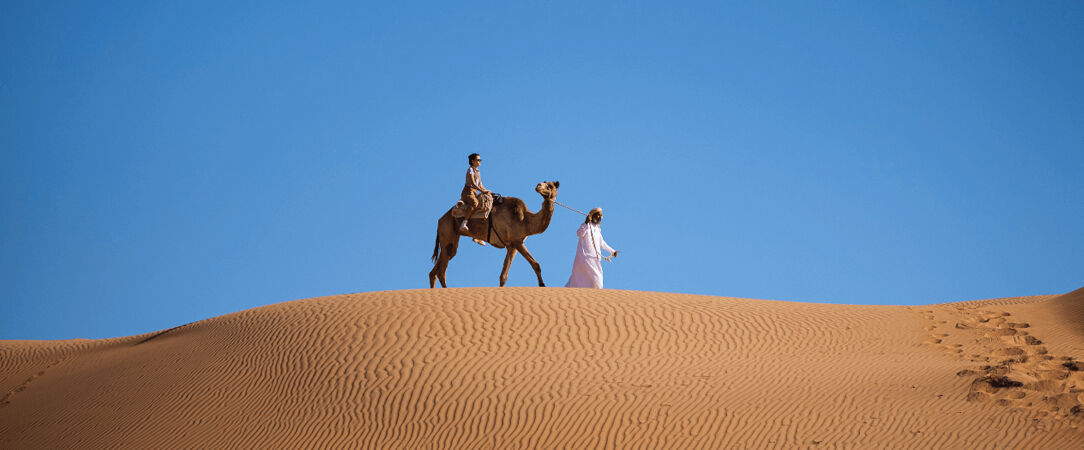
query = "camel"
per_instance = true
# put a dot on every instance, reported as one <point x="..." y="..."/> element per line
<point x="508" y="225"/>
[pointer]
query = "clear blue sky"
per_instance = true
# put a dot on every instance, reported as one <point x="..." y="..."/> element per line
<point x="166" y="162"/>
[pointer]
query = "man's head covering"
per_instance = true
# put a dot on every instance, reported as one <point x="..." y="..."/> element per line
<point x="594" y="212"/>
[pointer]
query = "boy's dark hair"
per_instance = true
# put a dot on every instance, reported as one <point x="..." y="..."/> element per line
<point x="472" y="157"/>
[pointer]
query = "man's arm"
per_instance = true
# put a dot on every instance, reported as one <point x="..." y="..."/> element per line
<point x="608" y="248"/>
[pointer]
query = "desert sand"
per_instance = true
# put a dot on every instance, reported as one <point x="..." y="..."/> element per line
<point x="564" y="368"/>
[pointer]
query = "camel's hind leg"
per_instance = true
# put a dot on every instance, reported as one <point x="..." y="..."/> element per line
<point x="507" y="263"/>
<point x="447" y="252"/>
<point x="436" y="269"/>
<point x="433" y="274"/>
<point x="530" y="259"/>
<point x="438" y="273"/>
<point x="447" y="244"/>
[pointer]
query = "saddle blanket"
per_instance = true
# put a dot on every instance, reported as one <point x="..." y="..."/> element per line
<point x="485" y="204"/>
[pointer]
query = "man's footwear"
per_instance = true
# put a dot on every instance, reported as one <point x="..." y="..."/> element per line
<point x="463" y="228"/>
<point x="479" y="242"/>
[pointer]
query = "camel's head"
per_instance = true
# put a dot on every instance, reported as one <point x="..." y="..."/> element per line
<point x="548" y="189"/>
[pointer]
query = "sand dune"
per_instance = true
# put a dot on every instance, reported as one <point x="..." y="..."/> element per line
<point x="564" y="368"/>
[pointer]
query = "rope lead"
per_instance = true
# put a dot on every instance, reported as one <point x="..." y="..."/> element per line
<point x="572" y="209"/>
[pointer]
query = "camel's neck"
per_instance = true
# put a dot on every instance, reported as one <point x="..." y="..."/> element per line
<point x="538" y="222"/>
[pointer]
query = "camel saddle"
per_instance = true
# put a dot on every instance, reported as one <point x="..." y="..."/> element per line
<point x="485" y="205"/>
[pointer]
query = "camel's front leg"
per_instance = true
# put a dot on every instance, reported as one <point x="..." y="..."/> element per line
<point x="507" y="263"/>
<point x="534" y="264"/>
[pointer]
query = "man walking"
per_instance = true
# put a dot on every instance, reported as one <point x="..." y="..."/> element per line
<point x="587" y="267"/>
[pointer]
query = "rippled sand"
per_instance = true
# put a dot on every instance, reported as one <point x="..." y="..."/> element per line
<point x="563" y="368"/>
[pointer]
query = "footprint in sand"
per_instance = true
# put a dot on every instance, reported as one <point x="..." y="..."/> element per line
<point x="939" y="339"/>
<point x="1009" y="351"/>
<point x="6" y="400"/>
<point x="1026" y="377"/>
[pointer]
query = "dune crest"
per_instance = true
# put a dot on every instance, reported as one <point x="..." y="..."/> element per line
<point x="555" y="367"/>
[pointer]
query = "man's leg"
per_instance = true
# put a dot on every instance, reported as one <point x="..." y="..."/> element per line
<point x="463" y="227"/>
<point x="466" y="231"/>
<point x="470" y="201"/>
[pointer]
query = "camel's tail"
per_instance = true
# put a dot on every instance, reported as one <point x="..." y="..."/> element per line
<point x="436" y="247"/>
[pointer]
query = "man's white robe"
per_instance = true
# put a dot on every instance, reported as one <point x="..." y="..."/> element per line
<point x="587" y="268"/>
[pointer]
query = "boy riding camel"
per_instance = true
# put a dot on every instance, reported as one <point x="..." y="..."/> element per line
<point x="470" y="199"/>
